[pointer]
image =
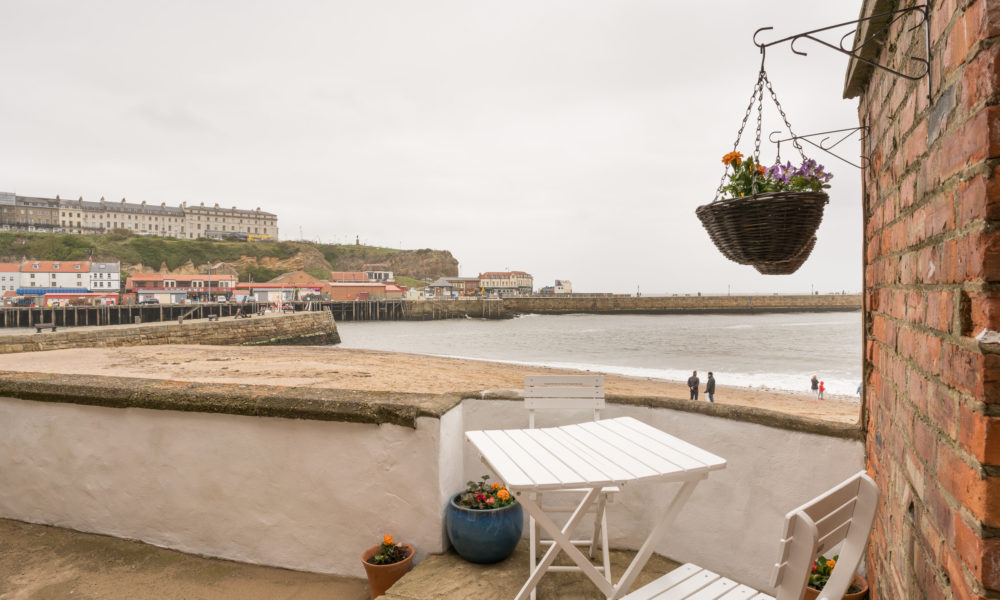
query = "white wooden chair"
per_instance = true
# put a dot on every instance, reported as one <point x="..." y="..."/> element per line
<point x="843" y="514"/>
<point x="569" y="392"/>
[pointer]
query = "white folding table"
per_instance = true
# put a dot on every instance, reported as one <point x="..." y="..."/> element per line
<point x="611" y="452"/>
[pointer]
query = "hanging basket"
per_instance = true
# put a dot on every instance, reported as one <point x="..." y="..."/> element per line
<point x="766" y="228"/>
<point x="787" y="267"/>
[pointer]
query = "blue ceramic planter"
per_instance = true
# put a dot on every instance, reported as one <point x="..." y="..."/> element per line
<point x="484" y="536"/>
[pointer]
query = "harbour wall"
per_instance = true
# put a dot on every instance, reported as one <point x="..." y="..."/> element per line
<point x="682" y="304"/>
<point x="307" y="478"/>
<point x="314" y="328"/>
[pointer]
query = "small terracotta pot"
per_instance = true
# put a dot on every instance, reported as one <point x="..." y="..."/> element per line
<point x="813" y="593"/>
<point x="381" y="577"/>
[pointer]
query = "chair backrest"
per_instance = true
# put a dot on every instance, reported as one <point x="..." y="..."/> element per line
<point x="843" y="514"/>
<point x="563" y="392"/>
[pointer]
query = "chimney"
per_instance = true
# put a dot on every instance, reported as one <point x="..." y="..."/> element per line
<point x="123" y="200"/>
<point x="216" y="205"/>
<point x="144" y="203"/>
<point x="203" y="204"/>
<point x="258" y="209"/>
<point x="163" y="204"/>
<point x="57" y="196"/>
<point x="234" y="208"/>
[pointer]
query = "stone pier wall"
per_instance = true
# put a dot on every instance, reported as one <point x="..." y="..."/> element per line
<point x="683" y="304"/>
<point x="315" y="328"/>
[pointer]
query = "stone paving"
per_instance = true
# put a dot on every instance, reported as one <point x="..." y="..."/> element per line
<point x="38" y="562"/>
<point x="448" y="577"/>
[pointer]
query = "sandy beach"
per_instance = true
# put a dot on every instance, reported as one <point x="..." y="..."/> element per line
<point x="370" y="370"/>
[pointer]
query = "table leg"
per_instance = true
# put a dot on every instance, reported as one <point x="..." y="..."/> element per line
<point x="562" y="542"/>
<point x="642" y="556"/>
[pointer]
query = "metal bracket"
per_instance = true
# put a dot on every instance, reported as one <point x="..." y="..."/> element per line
<point x="828" y="148"/>
<point x="855" y="50"/>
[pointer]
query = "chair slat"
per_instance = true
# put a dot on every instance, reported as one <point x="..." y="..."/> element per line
<point x="833" y="538"/>
<point x="564" y="392"/>
<point x="836" y="519"/>
<point x="689" y="586"/>
<point x="718" y="589"/>
<point x="742" y="593"/>
<point x="563" y="403"/>
<point x="655" y="588"/>
<point x="538" y="381"/>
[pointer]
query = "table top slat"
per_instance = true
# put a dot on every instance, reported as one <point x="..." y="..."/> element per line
<point x="599" y="445"/>
<point x="503" y="465"/>
<point x="553" y="461"/>
<point x="537" y="470"/>
<point x="614" y="470"/>
<point x="660" y="458"/>
<point x="577" y="457"/>
<point x="710" y="460"/>
<point x="656" y="446"/>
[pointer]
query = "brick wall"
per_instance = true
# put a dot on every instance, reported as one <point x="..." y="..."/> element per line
<point x="932" y="267"/>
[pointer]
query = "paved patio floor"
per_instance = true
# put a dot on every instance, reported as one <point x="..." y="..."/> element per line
<point x="448" y="577"/>
<point x="38" y="562"/>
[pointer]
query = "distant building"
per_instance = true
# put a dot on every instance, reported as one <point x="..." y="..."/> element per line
<point x="442" y="288"/>
<point x="464" y="286"/>
<point x="378" y="272"/>
<point x="506" y="283"/>
<point x="26" y="213"/>
<point x="563" y="286"/>
<point x="105" y="277"/>
<point x="10" y="277"/>
<point x="348" y="276"/>
<point x="40" y="277"/>
<point x="168" y="288"/>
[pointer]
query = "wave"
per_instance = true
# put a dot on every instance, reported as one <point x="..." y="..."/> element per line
<point x="783" y="382"/>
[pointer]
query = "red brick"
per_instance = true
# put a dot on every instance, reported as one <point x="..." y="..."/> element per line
<point x="991" y="379"/>
<point x="959" y="43"/>
<point x="985" y="311"/>
<point x="969" y="144"/>
<point x="940" y="308"/>
<point x="968" y="545"/>
<point x="928" y="352"/>
<point x="978" y="198"/>
<point x="964" y="484"/>
<point x="915" y="144"/>
<point x="962" y="369"/>
<point x="979" y="435"/>
<point x="941" y="17"/>
<point x="981" y="78"/>
<point x="956" y="577"/>
<point x="924" y="442"/>
<point x="942" y="408"/>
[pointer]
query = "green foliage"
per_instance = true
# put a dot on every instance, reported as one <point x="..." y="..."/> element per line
<point x="481" y="496"/>
<point x="258" y="274"/>
<point x="321" y="274"/>
<point x="337" y="254"/>
<point x="410" y="282"/>
<point x="389" y="552"/>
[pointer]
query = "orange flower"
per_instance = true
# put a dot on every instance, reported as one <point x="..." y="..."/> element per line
<point x="387" y="540"/>
<point x="496" y="484"/>
<point x="503" y="494"/>
<point x="831" y="563"/>
<point x="732" y="158"/>
<point x="761" y="170"/>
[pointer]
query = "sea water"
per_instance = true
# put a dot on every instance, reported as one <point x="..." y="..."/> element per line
<point x="779" y="351"/>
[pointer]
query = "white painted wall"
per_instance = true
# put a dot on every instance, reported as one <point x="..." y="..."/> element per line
<point x="312" y="495"/>
<point x="309" y="495"/>
<point x="733" y="521"/>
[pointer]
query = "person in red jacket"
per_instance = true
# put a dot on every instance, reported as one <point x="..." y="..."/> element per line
<point x="822" y="388"/>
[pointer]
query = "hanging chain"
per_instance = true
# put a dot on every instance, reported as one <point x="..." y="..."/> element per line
<point x="757" y="91"/>
<point x="784" y="117"/>
<point x="756" y="139"/>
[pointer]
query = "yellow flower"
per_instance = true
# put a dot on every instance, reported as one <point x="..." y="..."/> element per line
<point x="831" y="563"/>
<point x="496" y="484"/>
<point x="387" y="540"/>
<point x="503" y="494"/>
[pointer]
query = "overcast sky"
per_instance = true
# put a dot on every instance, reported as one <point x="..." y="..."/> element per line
<point x="572" y="140"/>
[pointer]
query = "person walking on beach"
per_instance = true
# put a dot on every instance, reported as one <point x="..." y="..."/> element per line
<point x="693" y="382"/>
<point x="710" y="387"/>
<point x="815" y="386"/>
<point x="822" y="388"/>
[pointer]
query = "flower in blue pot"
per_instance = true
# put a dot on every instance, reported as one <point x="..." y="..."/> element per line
<point x="484" y="522"/>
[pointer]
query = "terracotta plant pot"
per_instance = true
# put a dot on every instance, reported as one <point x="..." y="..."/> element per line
<point x="813" y="593"/>
<point x="381" y="577"/>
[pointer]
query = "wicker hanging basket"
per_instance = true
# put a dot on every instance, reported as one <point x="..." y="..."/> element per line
<point x="787" y="267"/>
<point x="773" y="231"/>
<point x="766" y="228"/>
